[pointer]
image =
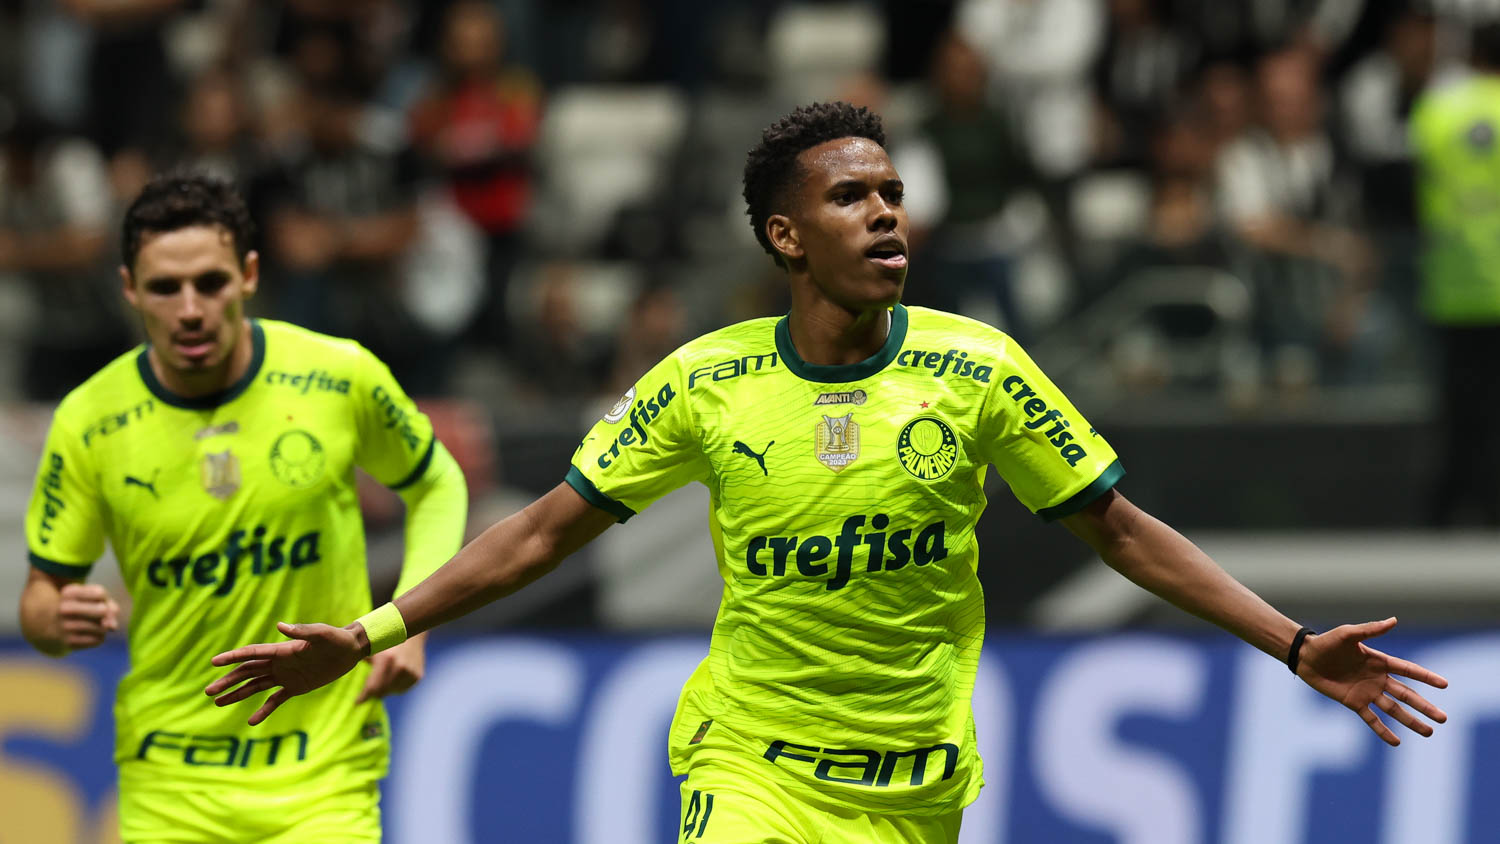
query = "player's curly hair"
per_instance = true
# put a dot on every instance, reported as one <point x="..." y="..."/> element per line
<point x="771" y="167"/>
<point x="181" y="199"/>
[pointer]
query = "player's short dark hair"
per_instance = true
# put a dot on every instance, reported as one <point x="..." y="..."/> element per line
<point x="771" y="167"/>
<point x="1484" y="46"/>
<point x="182" y="199"/>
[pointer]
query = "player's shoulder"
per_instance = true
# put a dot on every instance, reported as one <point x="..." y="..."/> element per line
<point x="297" y="349"/>
<point x="751" y="337"/>
<point x="930" y="326"/>
<point x="290" y="336"/>
<point x="115" y="386"/>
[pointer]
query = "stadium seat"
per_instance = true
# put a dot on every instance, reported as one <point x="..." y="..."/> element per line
<point x="1191" y="324"/>
<point x="812" y="49"/>
<point x="602" y="148"/>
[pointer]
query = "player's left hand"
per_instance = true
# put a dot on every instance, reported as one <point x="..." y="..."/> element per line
<point x="1341" y="666"/>
<point x="395" y="670"/>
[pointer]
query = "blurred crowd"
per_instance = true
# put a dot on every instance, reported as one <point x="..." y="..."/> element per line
<point x="527" y="203"/>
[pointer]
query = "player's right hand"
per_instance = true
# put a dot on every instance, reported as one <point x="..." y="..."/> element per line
<point x="85" y="615"/>
<point x="317" y="655"/>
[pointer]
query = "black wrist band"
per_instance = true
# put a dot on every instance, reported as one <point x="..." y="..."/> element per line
<point x="1294" y="655"/>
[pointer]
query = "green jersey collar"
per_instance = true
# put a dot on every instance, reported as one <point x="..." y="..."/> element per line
<point x="842" y="373"/>
<point x="212" y="400"/>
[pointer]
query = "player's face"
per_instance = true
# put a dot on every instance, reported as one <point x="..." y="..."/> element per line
<point x="190" y="291"/>
<point x="849" y="224"/>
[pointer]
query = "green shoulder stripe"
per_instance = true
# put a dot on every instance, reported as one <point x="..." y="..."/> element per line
<point x="1086" y="496"/>
<point x="585" y="487"/>
<point x="57" y="569"/>
<point x="421" y="468"/>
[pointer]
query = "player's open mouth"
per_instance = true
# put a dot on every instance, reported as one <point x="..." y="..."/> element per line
<point x="888" y="252"/>
<point x="194" y="347"/>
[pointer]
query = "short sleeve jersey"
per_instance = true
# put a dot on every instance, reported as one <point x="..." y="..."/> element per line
<point x="1455" y="132"/>
<point x="843" y="504"/>
<point x="228" y="513"/>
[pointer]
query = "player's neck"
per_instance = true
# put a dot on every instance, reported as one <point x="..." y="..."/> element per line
<point x="209" y="381"/>
<point x="829" y="335"/>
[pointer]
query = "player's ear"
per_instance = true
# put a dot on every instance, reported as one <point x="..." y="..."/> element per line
<point x="127" y="285"/>
<point x="784" y="236"/>
<point x="251" y="273"/>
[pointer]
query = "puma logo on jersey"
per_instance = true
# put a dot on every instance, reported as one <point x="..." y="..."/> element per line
<point x="149" y="486"/>
<point x="741" y="448"/>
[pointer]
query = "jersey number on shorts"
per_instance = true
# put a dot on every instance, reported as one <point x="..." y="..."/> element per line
<point x="699" y="807"/>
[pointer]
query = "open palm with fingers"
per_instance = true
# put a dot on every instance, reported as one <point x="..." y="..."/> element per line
<point x="317" y="655"/>
<point x="1341" y="666"/>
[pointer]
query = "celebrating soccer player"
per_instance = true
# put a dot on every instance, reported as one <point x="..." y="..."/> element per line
<point x="844" y="447"/>
<point x="218" y="460"/>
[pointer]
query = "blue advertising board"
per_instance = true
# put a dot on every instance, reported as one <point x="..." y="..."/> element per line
<point x="1137" y="739"/>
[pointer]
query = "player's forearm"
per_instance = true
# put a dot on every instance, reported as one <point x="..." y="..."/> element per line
<point x="1163" y="561"/>
<point x="437" y="509"/>
<point x="40" y="623"/>
<point x="500" y="561"/>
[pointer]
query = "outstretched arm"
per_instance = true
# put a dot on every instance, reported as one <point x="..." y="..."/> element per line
<point x="1337" y="663"/>
<point x="503" y="559"/>
<point x="437" y="508"/>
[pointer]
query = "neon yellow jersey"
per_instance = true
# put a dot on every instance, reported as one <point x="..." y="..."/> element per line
<point x="229" y="513"/>
<point x="843" y="505"/>
<point x="1455" y="132"/>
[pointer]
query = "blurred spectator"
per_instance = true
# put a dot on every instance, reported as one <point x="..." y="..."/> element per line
<point x="1279" y="189"/>
<point x="55" y="213"/>
<point x="557" y="358"/>
<point x="961" y="171"/>
<point x="656" y="326"/>
<point x="1040" y="52"/>
<point x="44" y="60"/>
<point x="214" y="133"/>
<point x="341" y="217"/>
<point x="1240" y="30"/>
<point x="1224" y="98"/>
<point x="1138" y="76"/>
<point x="348" y="44"/>
<point x="130" y="83"/>
<point x="1377" y="96"/>
<point x="1456" y="135"/>
<point x="1183" y="229"/>
<point x="479" y="126"/>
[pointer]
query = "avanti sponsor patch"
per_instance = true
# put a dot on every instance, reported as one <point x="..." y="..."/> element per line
<point x="850" y="397"/>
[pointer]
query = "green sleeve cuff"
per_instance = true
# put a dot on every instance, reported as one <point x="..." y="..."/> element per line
<point x="57" y="569"/>
<point x="585" y="487"/>
<point x="1086" y="496"/>
<point x="420" y="469"/>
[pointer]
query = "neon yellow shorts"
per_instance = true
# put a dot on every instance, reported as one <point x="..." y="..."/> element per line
<point x="347" y="816"/>
<point x="726" y="804"/>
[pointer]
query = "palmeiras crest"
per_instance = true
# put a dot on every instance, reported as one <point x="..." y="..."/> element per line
<point x="221" y="474"/>
<point x="836" y="441"/>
